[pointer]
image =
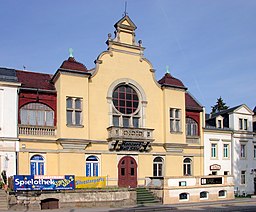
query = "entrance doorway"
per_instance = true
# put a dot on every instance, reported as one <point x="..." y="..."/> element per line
<point x="127" y="172"/>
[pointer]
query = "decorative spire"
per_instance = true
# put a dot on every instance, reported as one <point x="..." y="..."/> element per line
<point x="125" y="7"/>
<point x="167" y="69"/>
<point x="71" y="52"/>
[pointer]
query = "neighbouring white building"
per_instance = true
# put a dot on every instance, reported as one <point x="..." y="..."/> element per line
<point x="229" y="147"/>
<point x="8" y="120"/>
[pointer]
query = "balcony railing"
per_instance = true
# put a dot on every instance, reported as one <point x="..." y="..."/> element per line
<point x="122" y="133"/>
<point x="36" y="130"/>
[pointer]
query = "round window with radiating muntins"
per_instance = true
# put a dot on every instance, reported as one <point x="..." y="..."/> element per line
<point x="125" y="99"/>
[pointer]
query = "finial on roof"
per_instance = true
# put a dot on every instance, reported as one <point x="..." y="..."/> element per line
<point x="167" y="69"/>
<point x="125" y="7"/>
<point x="71" y="52"/>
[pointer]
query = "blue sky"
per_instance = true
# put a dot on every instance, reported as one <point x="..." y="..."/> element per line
<point x="208" y="44"/>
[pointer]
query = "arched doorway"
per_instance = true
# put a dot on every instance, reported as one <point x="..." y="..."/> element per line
<point x="127" y="172"/>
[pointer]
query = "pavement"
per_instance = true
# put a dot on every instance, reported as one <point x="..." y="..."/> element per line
<point x="158" y="208"/>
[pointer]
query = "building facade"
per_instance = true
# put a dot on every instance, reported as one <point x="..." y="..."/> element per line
<point x="8" y="120"/>
<point x="232" y="151"/>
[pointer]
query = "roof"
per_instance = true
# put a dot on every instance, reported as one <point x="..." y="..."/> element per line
<point x="8" y="75"/>
<point x="72" y="64"/>
<point x="191" y="103"/>
<point x="232" y="109"/>
<point x="35" y="80"/>
<point x="170" y="81"/>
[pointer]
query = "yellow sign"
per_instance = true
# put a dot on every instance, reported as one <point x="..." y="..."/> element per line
<point x="90" y="182"/>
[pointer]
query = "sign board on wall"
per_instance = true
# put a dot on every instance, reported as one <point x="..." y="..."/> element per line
<point x="211" y="180"/>
<point x="90" y="182"/>
<point x="215" y="167"/>
<point x="42" y="182"/>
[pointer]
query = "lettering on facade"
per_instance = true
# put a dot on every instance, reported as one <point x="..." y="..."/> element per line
<point x="131" y="146"/>
<point x="211" y="180"/>
<point x="215" y="167"/>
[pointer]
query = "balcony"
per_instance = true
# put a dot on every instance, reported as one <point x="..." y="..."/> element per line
<point x="130" y="139"/>
<point x="36" y="130"/>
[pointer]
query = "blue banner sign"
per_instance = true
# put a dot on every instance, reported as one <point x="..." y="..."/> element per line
<point x="42" y="182"/>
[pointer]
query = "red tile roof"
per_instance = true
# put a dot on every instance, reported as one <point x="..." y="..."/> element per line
<point x="72" y="64"/>
<point x="191" y="103"/>
<point x="169" y="80"/>
<point x="35" y="80"/>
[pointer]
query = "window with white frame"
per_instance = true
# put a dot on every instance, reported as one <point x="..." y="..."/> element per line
<point x="126" y="110"/>
<point x="219" y="123"/>
<point x="243" y="176"/>
<point x="213" y="150"/>
<point x="74" y="111"/>
<point x="225" y="150"/>
<point x="175" y="120"/>
<point x="37" y="165"/>
<point x="243" y="150"/>
<point x="158" y="167"/>
<point x="184" y="196"/>
<point x="187" y="167"/>
<point x="222" y="193"/>
<point x="243" y="124"/>
<point x="203" y="195"/>
<point x="36" y="114"/>
<point x="191" y="127"/>
<point x="92" y="166"/>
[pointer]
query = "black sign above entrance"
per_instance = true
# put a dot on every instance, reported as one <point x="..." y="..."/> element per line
<point x="211" y="180"/>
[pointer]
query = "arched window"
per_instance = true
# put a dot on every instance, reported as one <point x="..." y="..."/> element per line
<point x="222" y="193"/>
<point x="92" y="166"/>
<point x="158" y="167"/>
<point x="187" y="167"/>
<point x="37" y="164"/>
<point x="203" y="195"/>
<point x="126" y="110"/>
<point x="36" y="114"/>
<point x="184" y="196"/>
<point x="191" y="127"/>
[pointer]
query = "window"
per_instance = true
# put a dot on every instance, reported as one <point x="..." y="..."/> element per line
<point x="222" y="193"/>
<point x="36" y="114"/>
<point x="254" y="151"/>
<point x="37" y="165"/>
<point x="187" y="169"/>
<point x="126" y="111"/>
<point x="191" y="127"/>
<point x="175" y="120"/>
<point x="243" y="177"/>
<point x="213" y="150"/>
<point x="243" y="124"/>
<point x="184" y="196"/>
<point x="226" y="172"/>
<point x="74" y="111"/>
<point x="158" y="167"/>
<point x="92" y="166"/>
<point x="225" y="150"/>
<point x="203" y="195"/>
<point x="214" y="172"/>
<point x="219" y="124"/>
<point x="243" y="151"/>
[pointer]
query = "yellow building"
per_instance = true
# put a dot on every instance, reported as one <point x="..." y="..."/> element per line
<point x="116" y="120"/>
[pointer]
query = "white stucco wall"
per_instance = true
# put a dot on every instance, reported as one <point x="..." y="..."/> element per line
<point x="220" y="138"/>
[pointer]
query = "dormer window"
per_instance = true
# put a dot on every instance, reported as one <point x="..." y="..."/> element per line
<point x="243" y="124"/>
<point x="219" y="124"/>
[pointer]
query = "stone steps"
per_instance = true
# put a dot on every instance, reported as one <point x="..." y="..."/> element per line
<point x="145" y="196"/>
<point x="3" y="200"/>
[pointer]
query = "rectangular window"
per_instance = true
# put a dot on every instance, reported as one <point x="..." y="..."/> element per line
<point x="254" y="151"/>
<point x="175" y="120"/>
<point x="245" y="124"/>
<point x="74" y="111"/>
<point x="243" y="173"/>
<point x="214" y="150"/>
<point x="225" y="150"/>
<point x="243" y="150"/>
<point x="240" y="124"/>
<point x="226" y="172"/>
<point x="219" y="123"/>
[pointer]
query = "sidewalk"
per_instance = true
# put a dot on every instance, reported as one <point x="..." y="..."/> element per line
<point x="141" y="208"/>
